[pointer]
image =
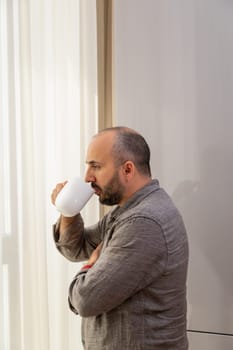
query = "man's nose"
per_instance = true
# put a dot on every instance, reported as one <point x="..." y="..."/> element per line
<point x="89" y="177"/>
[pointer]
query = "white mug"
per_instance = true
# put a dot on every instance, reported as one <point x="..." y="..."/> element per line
<point x="73" y="196"/>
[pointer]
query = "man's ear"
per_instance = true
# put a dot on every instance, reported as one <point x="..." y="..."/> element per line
<point x="128" y="168"/>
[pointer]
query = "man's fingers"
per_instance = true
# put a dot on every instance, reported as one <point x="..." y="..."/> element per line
<point x="56" y="190"/>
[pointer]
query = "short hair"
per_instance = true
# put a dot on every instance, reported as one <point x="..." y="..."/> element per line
<point x="130" y="145"/>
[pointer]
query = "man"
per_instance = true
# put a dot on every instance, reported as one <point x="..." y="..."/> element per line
<point x="131" y="293"/>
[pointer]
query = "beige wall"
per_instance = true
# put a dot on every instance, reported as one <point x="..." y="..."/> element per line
<point x="173" y="83"/>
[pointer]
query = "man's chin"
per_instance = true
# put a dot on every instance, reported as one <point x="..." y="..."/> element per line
<point x="103" y="201"/>
<point x="107" y="201"/>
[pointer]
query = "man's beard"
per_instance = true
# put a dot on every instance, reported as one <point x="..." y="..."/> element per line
<point x="112" y="193"/>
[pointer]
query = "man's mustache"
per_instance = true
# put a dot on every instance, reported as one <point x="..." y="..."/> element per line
<point x="93" y="185"/>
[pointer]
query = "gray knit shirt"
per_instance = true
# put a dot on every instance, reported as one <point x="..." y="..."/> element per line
<point x="134" y="297"/>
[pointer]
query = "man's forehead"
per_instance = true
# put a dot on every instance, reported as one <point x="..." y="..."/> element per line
<point x="99" y="149"/>
<point x="105" y="136"/>
<point x="103" y="141"/>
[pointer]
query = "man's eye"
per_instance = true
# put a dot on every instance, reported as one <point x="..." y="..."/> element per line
<point x="95" y="166"/>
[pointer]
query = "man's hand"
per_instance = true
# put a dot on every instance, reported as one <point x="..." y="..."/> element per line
<point x="56" y="190"/>
<point x="95" y="255"/>
<point x="64" y="221"/>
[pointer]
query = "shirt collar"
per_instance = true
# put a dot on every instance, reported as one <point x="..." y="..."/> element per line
<point x="136" y="198"/>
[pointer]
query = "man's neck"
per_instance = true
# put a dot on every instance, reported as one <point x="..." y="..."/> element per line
<point x="134" y="187"/>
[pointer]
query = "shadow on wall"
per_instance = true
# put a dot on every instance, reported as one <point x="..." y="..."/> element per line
<point x="208" y="214"/>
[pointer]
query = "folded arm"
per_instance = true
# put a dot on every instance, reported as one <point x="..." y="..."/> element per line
<point x="133" y="258"/>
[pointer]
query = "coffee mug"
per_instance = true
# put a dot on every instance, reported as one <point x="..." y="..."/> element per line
<point x="73" y="196"/>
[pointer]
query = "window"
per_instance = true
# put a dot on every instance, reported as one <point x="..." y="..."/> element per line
<point x="47" y="114"/>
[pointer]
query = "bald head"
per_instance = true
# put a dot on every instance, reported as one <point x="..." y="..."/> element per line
<point x="127" y="144"/>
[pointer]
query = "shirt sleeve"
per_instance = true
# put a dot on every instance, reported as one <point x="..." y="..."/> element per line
<point x="134" y="257"/>
<point x="76" y="243"/>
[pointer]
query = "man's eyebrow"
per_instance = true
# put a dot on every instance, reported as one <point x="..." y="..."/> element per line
<point x="92" y="162"/>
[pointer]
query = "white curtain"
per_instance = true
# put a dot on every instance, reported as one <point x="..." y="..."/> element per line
<point x="48" y="113"/>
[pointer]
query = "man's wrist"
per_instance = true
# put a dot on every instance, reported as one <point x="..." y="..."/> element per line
<point x="65" y="222"/>
<point x="86" y="266"/>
